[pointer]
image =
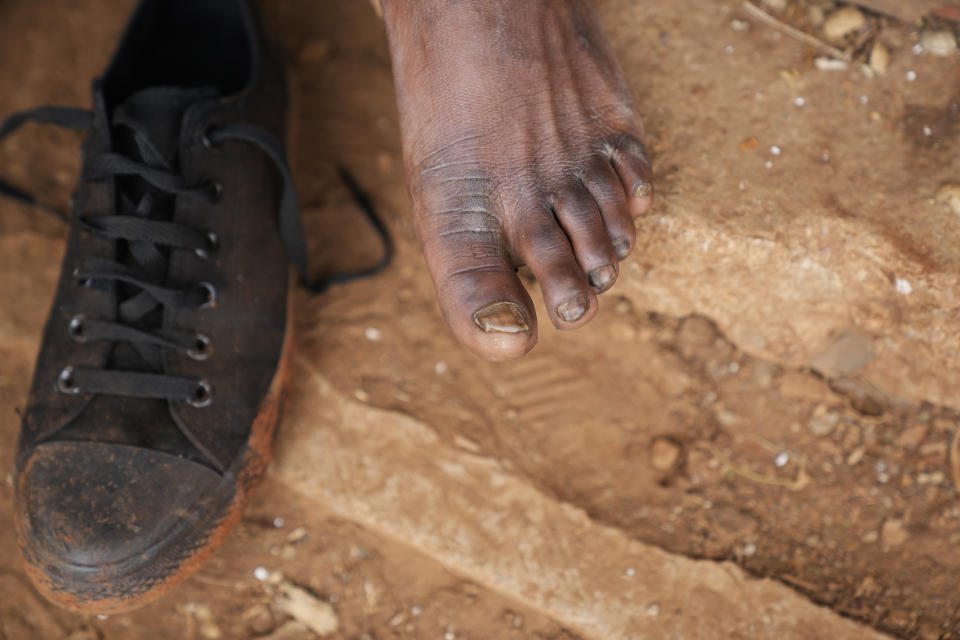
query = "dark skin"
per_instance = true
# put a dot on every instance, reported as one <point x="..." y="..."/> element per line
<point x="521" y="147"/>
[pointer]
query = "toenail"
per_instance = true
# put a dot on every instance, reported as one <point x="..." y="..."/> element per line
<point x="502" y="317"/>
<point x="622" y="247"/>
<point x="643" y="189"/>
<point x="602" y="278"/>
<point x="572" y="309"/>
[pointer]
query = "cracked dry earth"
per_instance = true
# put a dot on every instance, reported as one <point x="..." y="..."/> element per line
<point x="751" y="440"/>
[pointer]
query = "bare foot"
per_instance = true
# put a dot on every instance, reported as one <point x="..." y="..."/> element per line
<point x="521" y="146"/>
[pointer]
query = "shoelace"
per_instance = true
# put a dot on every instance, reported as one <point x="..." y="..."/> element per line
<point x="147" y="238"/>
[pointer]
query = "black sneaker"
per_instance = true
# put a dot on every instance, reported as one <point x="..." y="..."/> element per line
<point x="165" y="358"/>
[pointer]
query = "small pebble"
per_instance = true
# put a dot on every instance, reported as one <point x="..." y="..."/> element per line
<point x="927" y="131"/>
<point x="449" y="635"/>
<point x="843" y="21"/>
<point x="939" y="43"/>
<point x="739" y="25"/>
<point x="879" y="58"/>
<point x="261" y="573"/>
<point x="768" y="164"/>
<point x="728" y="49"/>
<point x="373" y="334"/>
<point x="782" y="459"/>
<point x="416" y="610"/>
<point x="830" y="64"/>
<point x="278" y="522"/>
<point x="949" y="194"/>
<point x="917" y="49"/>
<point x="749" y="549"/>
<point x="864" y="99"/>
<point x="630" y="572"/>
<point x="775" y="150"/>
<point x="440" y="368"/>
<point x="653" y="610"/>
<point x="911" y="75"/>
<point x="903" y="287"/>
<point x="799" y="101"/>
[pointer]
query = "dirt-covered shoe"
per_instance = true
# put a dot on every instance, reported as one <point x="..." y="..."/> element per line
<point x="163" y="365"/>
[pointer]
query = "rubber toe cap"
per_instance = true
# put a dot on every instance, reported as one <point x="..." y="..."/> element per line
<point x="87" y="504"/>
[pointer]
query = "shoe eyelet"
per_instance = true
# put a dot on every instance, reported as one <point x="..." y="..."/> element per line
<point x="202" y="348"/>
<point x="66" y="383"/>
<point x="76" y="328"/>
<point x="210" y="293"/>
<point x="206" y="140"/>
<point x="213" y="243"/>
<point x="202" y="395"/>
<point x="215" y="189"/>
<point x="83" y="282"/>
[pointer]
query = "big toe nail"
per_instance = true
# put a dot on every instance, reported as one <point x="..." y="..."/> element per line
<point x="573" y="308"/>
<point x="502" y="317"/>
<point x="602" y="278"/>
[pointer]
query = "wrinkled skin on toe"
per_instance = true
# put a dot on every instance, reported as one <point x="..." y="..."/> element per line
<point x="521" y="147"/>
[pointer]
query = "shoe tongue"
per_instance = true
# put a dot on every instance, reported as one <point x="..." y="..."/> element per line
<point x="159" y="110"/>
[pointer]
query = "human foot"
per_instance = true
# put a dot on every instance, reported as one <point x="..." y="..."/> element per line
<point x="521" y="146"/>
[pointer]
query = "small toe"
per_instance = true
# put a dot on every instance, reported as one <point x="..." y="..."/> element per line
<point x="579" y="215"/>
<point x="480" y="295"/>
<point x="569" y="298"/>
<point x="603" y="183"/>
<point x="630" y="160"/>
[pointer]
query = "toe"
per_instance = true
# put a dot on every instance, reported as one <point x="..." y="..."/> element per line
<point x="630" y="160"/>
<point x="579" y="216"/>
<point x="569" y="298"/>
<point x="603" y="183"/>
<point x="481" y="297"/>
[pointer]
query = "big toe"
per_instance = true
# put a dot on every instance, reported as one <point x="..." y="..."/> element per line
<point x="481" y="297"/>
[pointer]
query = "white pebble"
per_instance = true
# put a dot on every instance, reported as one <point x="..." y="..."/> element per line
<point x="799" y="101"/>
<point x="373" y="334"/>
<point x="416" y="610"/>
<point x="825" y="157"/>
<point x="739" y="25"/>
<point x="927" y="131"/>
<point x="864" y="99"/>
<point x="749" y="549"/>
<point x="630" y="572"/>
<point x="782" y="459"/>
<point x="653" y="610"/>
<point x="261" y="573"/>
<point x="911" y="75"/>
<point x="449" y="635"/>
<point x="775" y="150"/>
<point x="278" y="522"/>
<point x="728" y="49"/>
<point x="904" y="288"/>
<point x="917" y="49"/>
<point x="768" y="164"/>
<point x="440" y="368"/>
<point x="101" y="616"/>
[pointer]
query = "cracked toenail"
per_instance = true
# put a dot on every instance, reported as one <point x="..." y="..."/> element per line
<point x="622" y="247"/>
<point x="602" y="278"/>
<point x="643" y="189"/>
<point x="573" y="308"/>
<point x="502" y="317"/>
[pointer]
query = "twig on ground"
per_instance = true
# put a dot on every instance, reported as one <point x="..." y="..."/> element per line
<point x="793" y="32"/>
<point x="802" y="479"/>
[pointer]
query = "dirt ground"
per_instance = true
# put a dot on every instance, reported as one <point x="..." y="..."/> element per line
<point x="658" y="426"/>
